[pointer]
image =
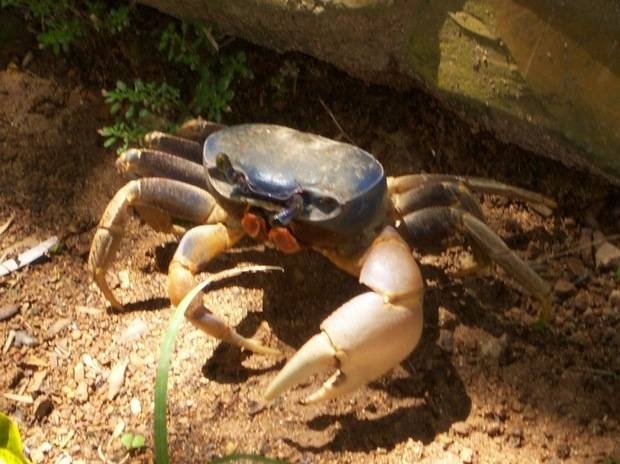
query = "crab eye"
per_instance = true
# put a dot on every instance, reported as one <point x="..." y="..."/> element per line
<point x="327" y="204"/>
<point x="222" y="162"/>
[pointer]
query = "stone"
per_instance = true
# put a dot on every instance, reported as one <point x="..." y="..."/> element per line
<point x="614" y="298"/>
<point x="607" y="256"/>
<point x="461" y="428"/>
<point x="563" y="288"/>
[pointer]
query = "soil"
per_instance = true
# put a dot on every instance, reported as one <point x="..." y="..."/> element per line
<point x="486" y="384"/>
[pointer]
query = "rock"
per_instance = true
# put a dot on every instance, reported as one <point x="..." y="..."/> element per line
<point x="582" y="301"/>
<point x="81" y="392"/>
<point x="563" y="288"/>
<point x="494" y="429"/>
<point x="116" y="379"/>
<point x="576" y="268"/>
<point x="466" y="455"/>
<point x="23" y="338"/>
<point x="614" y="298"/>
<point x="607" y="256"/>
<point x="135" y="407"/>
<point x="446" y="318"/>
<point x="134" y="331"/>
<point x="446" y="340"/>
<point x="56" y="328"/>
<point x="42" y="407"/>
<point x="462" y="429"/>
<point x="494" y="348"/>
<point x="8" y="311"/>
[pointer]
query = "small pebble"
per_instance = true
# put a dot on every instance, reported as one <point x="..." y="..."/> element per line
<point x="116" y="379"/>
<point x="563" y="288"/>
<point x="493" y="429"/>
<point x="134" y="331"/>
<point x="8" y="311"/>
<point x="43" y="406"/>
<point x="607" y="257"/>
<point x="446" y="340"/>
<point x="123" y="277"/>
<point x="22" y="338"/>
<point x="467" y="455"/>
<point x="614" y="298"/>
<point x="494" y="348"/>
<point x="135" y="407"/>
<point x="461" y="428"/>
<point x="56" y="328"/>
<point x="81" y="392"/>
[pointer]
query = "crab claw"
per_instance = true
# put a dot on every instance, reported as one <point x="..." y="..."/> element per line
<point x="368" y="335"/>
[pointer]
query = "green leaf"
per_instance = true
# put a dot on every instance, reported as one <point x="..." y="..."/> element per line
<point x="109" y="142"/>
<point x="138" y="441"/>
<point x="120" y="85"/>
<point x="126" y="440"/>
<point x="618" y="273"/>
<point x="11" y="448"/>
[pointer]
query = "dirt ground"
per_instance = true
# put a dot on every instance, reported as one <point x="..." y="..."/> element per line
<point x="483" y="386"/>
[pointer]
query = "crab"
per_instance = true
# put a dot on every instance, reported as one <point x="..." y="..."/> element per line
<point x="296" y="190"/>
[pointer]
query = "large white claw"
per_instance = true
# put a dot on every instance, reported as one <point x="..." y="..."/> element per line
<point x="368" y="335"/>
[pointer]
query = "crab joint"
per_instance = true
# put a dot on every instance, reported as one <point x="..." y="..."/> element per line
<point x="283" y="240"/>
<point x="254" y="226"/>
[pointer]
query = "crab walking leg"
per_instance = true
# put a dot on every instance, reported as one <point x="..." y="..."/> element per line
<point x="188" y="149"/>
<point x="371" y="333"/>
<point x="145" y="162"/>
<point x="431" y="225"/>
<point x="476" y="184"/>
<point x="436" y="194"/>
<point x="187" y="142"/>
<point x="168" y="197"/>
<point x="199" y="246"/>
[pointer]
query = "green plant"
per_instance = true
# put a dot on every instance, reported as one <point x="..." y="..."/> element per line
<point x="214" y="91"/>
<point x="193" y="46"/>
<point x="187" y="43"/>
<point x="289" y="71"/>
<point x="11" y="448"/>
<point x="618" y="273"/>
<point x="140" y="108"/>
<point x="61" y="23"/>
<point x="132" y="441"/>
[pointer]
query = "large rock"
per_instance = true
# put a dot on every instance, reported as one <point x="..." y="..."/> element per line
<point x="543" y="74"/>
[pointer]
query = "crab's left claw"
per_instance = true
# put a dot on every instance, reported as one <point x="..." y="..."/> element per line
<point x="368" y="335"/>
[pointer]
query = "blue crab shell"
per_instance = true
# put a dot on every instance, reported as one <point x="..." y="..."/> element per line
<point x="343" y="186"/>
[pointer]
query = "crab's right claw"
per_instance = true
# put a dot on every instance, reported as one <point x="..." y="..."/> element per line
<point x="368" y="335"/>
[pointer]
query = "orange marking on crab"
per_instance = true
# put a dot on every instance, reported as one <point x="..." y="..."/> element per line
<point x="254" y="226"/>
<point x="283" y="240"/>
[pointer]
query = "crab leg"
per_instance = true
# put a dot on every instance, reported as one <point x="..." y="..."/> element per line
<point x="145" y="162"/>
<point x="178" y="146"/>
<point x="199" y="246"/>
<point x="187" y="143"/>
<point x="436" y="194"/>
<point x="156" y="197"/>
<point x="432" y="225"/>
<point x="476" y="184"/>
<point x="371" y="333"/>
